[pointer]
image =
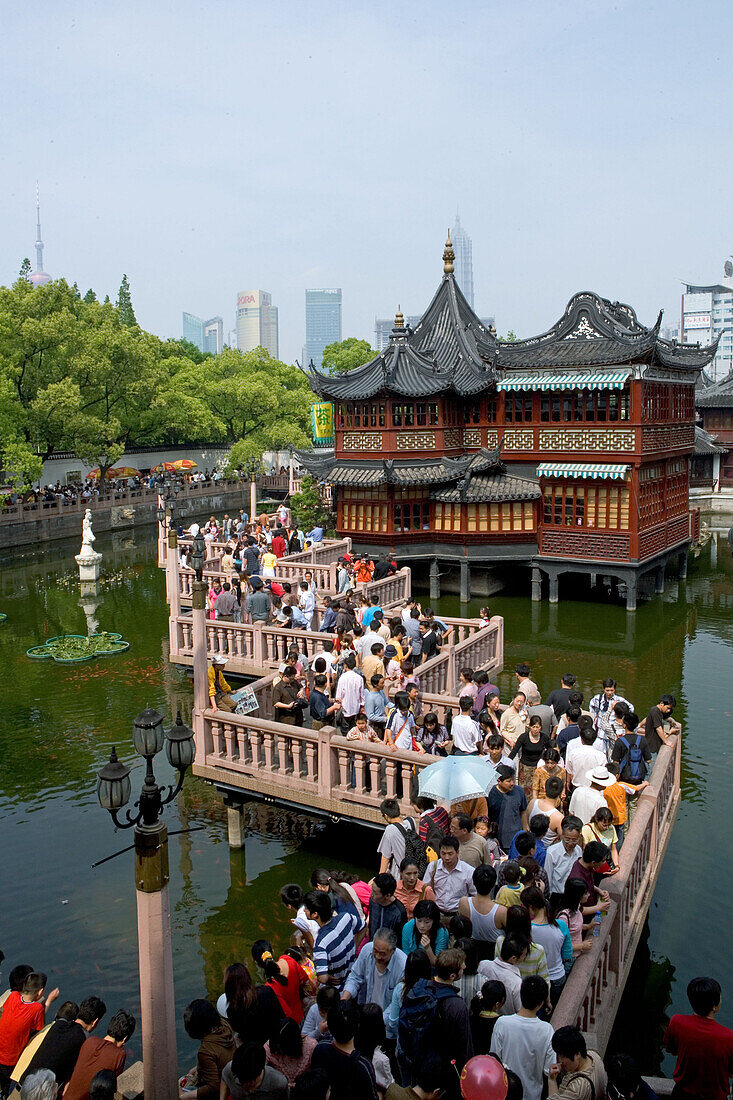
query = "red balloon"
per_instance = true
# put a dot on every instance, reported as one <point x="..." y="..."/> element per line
<point x="483" y="1078"/>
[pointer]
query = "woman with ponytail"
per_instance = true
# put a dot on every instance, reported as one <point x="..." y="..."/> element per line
<point x="284" y="976"/>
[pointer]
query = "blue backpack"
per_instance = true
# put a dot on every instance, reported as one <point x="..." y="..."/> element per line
<point x="420" y="1024"/>
<point x="635" y="770"/>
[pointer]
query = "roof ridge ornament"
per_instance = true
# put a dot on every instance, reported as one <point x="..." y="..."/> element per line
<point x="448" y="256"/>
<point x="399" y="331"/>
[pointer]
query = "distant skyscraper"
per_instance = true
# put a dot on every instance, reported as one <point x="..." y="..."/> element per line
<point x="206" y="335"/>
<point x="214" y="335"/>
<point x="39" y="276"/>
<point x="193" y="330"/>
<point x="322" y="323"/>
<point x="257" y="322"/>
<point x="464" y="260"/>
<point x="707" y="312"/>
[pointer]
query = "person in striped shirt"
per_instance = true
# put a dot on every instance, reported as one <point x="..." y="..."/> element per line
<point x="333" y="951"/>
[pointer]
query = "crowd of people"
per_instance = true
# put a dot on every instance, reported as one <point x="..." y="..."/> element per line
<point x="90" y="489"/>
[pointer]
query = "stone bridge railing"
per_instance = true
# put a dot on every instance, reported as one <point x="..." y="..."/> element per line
<point x="595" y="984"/>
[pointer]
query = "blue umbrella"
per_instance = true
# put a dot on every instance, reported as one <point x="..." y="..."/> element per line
<point x="457" y="777"/>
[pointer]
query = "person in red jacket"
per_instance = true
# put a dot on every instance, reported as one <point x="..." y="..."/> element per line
<point x="703" y="1047"/>
<point x="23" y="1015"/>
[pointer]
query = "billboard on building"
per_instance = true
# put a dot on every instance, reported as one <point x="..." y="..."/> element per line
<point x="322" y="424"/>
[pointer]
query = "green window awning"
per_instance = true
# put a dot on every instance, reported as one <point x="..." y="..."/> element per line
<point x="569" y="380"/>
<point x="603" y="471"/>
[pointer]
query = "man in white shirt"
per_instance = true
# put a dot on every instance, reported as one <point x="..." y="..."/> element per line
<point x="581" y="756"/>
<point x="523" y="1043"/>
<point x="586" y="800"/>
<point x="407" y="609"/>
<point x="350" y="692"/>
<point x="560" y="858"/>
<point x="307" y="603"/>
<point x="601" y="711"/>
<point x="450" y="878"/>
<point x="505" y="969"/>
<point x="464" y="731"/>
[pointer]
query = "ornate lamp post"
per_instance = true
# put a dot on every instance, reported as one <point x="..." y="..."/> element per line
<point x="252" y="468"/>
<point x="160" y="1063"/>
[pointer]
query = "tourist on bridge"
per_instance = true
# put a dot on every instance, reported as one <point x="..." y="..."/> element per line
<point x="219" y="690"/>
<point x="507" y="806"/>
<point x="450" y="879"/>
<point x="601" y="711"/>
<point x="333" y="951"/>
<point x="307" y="603"/>
<point x="474" y="849"/>
<point x="60" y="1047"/>
<point x="576" y="1073"/>
<point x="465" y="733"/>
<point x="504" y="968"/>
<point x="377" y="971"/>
<point x="410" y="887"/>
<point x="530" y="746"/>
<point x="350" y="692"/>
<point x="589" y="867"/>
<point x="583" y="755"/>
<point x="514" y="720"/>
<point x="205" y="1026"/>
<point x="527" y="687"/>
<point x="258" y="605"/>
<point x="487" y="917"/>
<point x="350" y="1075"/>
<point x="704" y="1048"/>
<point x="523" y="1042"/>
<point x="561" y="857"/>
<point x="314" y="536"/>
<point x="660" y="724"/>
<point x="559" y="698"/>
<point x="97" y="1054"/>
<point x="586" y="800"/>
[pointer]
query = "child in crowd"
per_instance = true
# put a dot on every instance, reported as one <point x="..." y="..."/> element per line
<point x="485" y="1011"/>
<point x="513" y="885"/>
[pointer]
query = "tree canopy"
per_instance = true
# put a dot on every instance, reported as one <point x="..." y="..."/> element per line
<point x="81" y="375"/>
<point x="343" y="356"/>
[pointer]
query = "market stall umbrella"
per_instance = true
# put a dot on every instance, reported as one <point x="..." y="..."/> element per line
<point x="167" y="467"/>
<point x="123" y="471"/>
<point x="94" y="474"/>
<point x="457" y="778"/>
<point x="185" y="464"/>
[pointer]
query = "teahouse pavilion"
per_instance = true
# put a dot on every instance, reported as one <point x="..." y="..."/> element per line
<point x="453" y="446"/>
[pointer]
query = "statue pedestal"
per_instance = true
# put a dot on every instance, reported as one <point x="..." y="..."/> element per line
<point x="89" y="562"/>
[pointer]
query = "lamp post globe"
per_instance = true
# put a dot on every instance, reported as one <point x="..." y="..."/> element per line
<point x="147" y="732"/>
<point x="113" y="784"/>
<point x="179" y="745"/>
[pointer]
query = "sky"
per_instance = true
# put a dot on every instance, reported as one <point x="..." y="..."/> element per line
<point x="209" y="149"/>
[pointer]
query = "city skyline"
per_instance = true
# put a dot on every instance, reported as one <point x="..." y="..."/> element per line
<point x="555" y="202"/>
<point x="322" y="323"/>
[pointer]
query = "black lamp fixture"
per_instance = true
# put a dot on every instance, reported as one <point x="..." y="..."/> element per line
<point x="198" y="555"/>
<point x="148" y="736"/>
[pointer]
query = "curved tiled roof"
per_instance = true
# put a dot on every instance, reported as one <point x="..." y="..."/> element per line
<point x="449" y="349"/>
<point x="415" y="471"/>
<point x="719" y="395"/>
<point x="488" y="487"/>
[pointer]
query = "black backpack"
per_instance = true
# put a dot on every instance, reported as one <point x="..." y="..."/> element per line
<point x="414" y="846"/>
<point x="634" y="770"/>
<point x="421" y="1026"/>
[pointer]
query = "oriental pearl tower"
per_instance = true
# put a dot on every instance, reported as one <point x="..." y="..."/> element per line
<point x="39" y="276"/>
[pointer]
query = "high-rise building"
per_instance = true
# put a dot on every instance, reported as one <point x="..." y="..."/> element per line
<point x="193" y="330"/>
<point x="39" y="276"/>
<point x="463" y="264"/>
<point x="257" y="325"/>
<point x="707" y="312"/>
<point x="214" y="335"/>
<point x="322" y="323"/>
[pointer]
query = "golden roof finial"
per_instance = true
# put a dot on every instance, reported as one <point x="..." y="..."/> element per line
<point x="399" y="320"/>
<point x="448" y="256"/>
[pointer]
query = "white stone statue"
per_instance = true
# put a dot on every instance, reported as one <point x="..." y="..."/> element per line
<point x="88" y="558"/>
<point x="87" y="535"/>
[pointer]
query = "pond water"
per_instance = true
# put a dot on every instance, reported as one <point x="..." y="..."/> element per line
<point x="78" y="923"/>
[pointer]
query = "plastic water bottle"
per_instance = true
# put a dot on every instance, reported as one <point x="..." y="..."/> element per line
<point x="597" y="922"/>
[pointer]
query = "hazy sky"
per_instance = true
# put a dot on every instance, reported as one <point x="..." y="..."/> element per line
<point x="211" y="148"/>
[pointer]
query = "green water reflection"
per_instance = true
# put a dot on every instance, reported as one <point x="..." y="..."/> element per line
<point x="78" y="924"/>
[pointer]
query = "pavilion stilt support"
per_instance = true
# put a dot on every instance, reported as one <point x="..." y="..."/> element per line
<point x="659" y="581"/>
<point x="465" y="582"/>
<point x="235" y="825"/>
<point x="631" y="587"/>
<point x="554" y="588"/>
<point x="434" y="580"/>
<point x="682" y="565"/>
<point x="536" y="584"/>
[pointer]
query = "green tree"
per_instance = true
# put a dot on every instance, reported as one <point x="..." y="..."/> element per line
<point x="124" y="303"/>
<point x="338" y="358"/>
<point x="25" y="270"/>
<point x="510" y="338"/>
<point x="90" y="296"/>
<point x="307" y="508"/>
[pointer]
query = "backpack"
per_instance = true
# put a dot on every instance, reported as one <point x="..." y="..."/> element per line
<point x="433" y="840"/>
<point x="414" y="847"/>
<point x="420" y="1028"/>
<point x="635" y="768"/>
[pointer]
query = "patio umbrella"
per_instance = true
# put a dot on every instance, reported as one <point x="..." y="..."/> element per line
<point x="123" y="471"/>
<point x="94" y="474"/>
<point x="185" y="464"/>
<point x="456" y="778"/>
<point x="167" y="467"/>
